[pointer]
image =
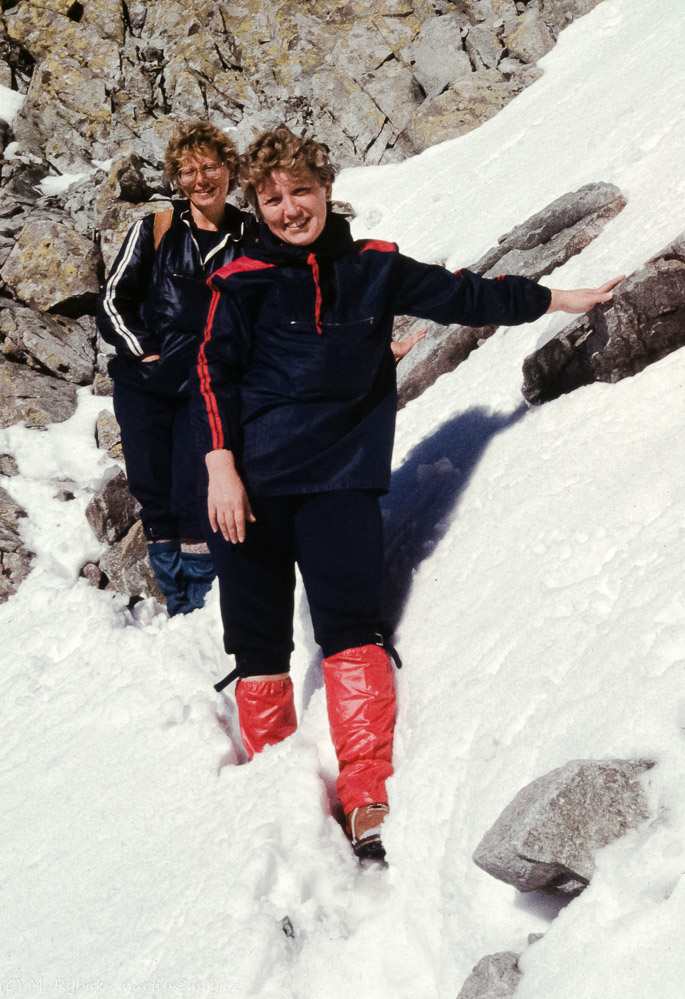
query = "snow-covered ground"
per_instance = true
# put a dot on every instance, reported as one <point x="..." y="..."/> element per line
<point x="542" y="553"/>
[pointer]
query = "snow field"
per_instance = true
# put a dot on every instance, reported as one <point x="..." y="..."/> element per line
<point x="539" y="553"/>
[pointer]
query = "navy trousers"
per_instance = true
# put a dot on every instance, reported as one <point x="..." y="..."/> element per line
<point x="336" y="539"/>
<point x="165" y="473"/>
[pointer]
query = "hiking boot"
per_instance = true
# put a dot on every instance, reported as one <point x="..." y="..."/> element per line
<point x="363" y="826"/>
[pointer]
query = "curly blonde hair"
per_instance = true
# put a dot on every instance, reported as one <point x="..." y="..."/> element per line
<point x="196" y="136"/>
<point x="281" y="149"/>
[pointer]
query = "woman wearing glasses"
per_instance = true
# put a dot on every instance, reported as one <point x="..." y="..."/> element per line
<point x="153" y="309"/>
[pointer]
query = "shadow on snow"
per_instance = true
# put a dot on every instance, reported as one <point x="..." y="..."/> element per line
<point x="425" y="491"/>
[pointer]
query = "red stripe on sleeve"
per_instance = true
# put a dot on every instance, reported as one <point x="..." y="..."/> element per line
<point x="377" y="244"/>
<point x="239" y="266"/>
<point x="205" y="381"/>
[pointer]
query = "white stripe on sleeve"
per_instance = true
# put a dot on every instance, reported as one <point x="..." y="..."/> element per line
<point x="110" y="291"/>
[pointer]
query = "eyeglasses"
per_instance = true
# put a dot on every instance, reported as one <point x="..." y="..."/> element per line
<point x="211" y="171"/>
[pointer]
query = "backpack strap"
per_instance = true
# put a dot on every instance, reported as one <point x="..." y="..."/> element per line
<point x="162" y="221"/>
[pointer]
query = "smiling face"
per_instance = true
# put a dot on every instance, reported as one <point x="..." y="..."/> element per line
<point x="204" y="180"/>
<point x="294" y="206"/>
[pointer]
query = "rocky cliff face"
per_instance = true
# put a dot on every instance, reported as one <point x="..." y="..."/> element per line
<point x="376" y="81"/>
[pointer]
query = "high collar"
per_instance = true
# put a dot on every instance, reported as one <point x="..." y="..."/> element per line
<point x="234" y="222"/>
<point x="334" y="241"/>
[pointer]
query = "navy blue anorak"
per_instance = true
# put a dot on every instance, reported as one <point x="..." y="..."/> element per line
<point x="155" y="300"/>
<point x="296" y="375"/>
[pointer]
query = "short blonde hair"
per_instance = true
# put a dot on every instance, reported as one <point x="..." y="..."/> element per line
<point x="281" y="149"/>
<point x="191" y="139"/>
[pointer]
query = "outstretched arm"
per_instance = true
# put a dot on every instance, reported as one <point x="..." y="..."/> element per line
<point x="579" y="300"/>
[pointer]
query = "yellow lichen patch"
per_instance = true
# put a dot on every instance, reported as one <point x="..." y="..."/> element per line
<point x="41" y="30"/>
<point x="231" y="86"/>
<point x="50" y="263"/>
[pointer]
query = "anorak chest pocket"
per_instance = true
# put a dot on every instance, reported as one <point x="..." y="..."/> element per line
<point x="315" y="373"/>
<point x="332" y="360"/>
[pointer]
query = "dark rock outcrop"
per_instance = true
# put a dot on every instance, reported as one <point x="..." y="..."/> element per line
<point x="8" y="465"/>
<point x="560" y="231"/>
<point x="112" y="511"/>
<point x="547" y="838"/>
<point x="644" y="322"/>
<point x="15" y="559"/>
<point x="94" y="575"/>
<point x="127" y="567"/>
<point x="55" y="346"/>
<point x="32" y="398"/>
<point x="494" y="977"/>
<point x="546" y="241"/>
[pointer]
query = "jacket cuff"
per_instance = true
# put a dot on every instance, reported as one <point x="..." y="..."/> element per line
<point x="544" y="297"/>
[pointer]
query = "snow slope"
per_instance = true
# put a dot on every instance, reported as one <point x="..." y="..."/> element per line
<point x="540" y="552"/>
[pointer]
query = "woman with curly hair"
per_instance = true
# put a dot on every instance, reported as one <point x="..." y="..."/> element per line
<point x="152" y="309"/>
<point x="295" y="401"/>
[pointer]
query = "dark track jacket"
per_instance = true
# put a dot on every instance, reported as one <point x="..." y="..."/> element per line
<point x="295" y="374"/>
<point x="156" y="301"/>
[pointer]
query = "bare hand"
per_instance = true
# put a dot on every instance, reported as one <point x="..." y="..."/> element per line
<point x="227" y="501"/>
<point x="150" y="357"/>
<point x="400" y="348"/>
<point x="582" y="299"/>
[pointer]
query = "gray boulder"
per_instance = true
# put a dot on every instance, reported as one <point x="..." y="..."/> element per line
<point x="14" y="213"/>
<point x="494" y="977"/>
<point x="15" y="559"/>
<point x="108" y="434"/>
<point x="644" y="322"/>
<point x="483" y="46"/>
<point x="127" y="567"/>
<point x="547" y="837"/>
<point x="443" y="349"/>
<point x="560" y="231"/>
<point x="32" y="398"/>
<point x="94" y="575"/>
<point x="52" y="266"/>
<point x="103" y="386"/>
<point x="548" y="239"/>
<point x="68" y="106"/>
<point x="8" y="465"/>
<point x="466" y="104"/>
<point x="531" y="38"/>
<point x="437" y="56"/>
<point x="112" y="511"/>
<point x="60" y="347"/>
